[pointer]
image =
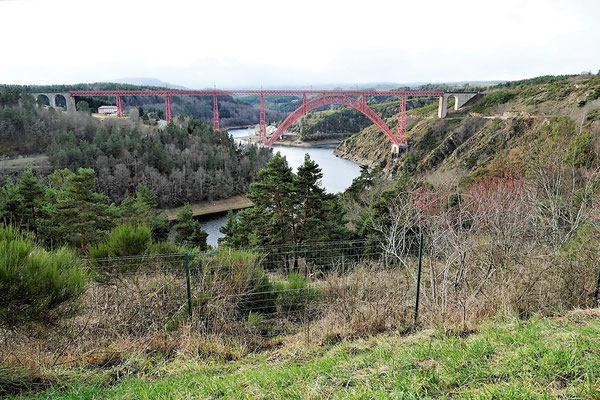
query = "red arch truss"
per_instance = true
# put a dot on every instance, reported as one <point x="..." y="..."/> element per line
<point x="358" y="105"/>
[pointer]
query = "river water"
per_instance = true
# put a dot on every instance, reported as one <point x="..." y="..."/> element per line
<point x="338" y="174"/>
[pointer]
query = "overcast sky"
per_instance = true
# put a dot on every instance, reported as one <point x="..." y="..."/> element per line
<point x="249" y="43"/>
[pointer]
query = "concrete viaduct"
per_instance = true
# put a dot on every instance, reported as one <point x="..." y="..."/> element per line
<point x="53" y="98"/>
<point x="460" y="99"/>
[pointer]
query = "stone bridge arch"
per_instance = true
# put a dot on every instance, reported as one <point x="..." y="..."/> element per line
<point x="43" y="99"/>
<point x="460" y="99"/>
<point x="56" y="99"/>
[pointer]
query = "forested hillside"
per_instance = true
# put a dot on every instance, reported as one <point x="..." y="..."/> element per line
<point x="185" y="162"/>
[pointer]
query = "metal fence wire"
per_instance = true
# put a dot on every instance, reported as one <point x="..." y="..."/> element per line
<point x="322" y="290"/>
<point x="268" y="290"/>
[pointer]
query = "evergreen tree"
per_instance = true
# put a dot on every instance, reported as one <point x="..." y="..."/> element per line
<point x="288" y="208"/>
<point x="273" y="198"/>
<point x="230" y="230"/>
<point x="140" y="209"/>
<point x="188" y="230"/>
<point x="160" y="228"/>
<point x="310" y="197"/>
<point x="31" y="191"/>
<point x="11" y="203"/>
<point x="83" y="215"/>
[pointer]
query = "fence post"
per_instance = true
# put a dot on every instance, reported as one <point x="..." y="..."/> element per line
<point x="188" y="284"/>
<point x="419" y="278"/>
<point x="596" y="292"/>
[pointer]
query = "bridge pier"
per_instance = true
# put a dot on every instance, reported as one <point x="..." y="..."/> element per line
<point x="168" y="114"/>
<point x="262" y="129"/>
<point x="216" y="123"/>
<point x="460" y="99"/>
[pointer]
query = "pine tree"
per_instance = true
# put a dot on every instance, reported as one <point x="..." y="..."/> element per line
<point x="83" y="215"/>
<point x="288" y="208"/>
<point x="11" y="204"/>
<point x="188" y="230"/>
<point x="230" y="230"/>
<point x="31" y="191"/>
<point x="273" y="197"/>
<point x="160" y="228"/>
<point x="310" y="197"/>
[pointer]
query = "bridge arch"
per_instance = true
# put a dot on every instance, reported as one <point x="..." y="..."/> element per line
<point x="324" y="100"/>
<point x="43" y="99"/>
<point x="60" y="101"/>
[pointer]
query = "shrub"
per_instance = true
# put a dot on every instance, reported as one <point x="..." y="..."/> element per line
<point x="594" y="95"/>
<point x="128" y="240"/>
<point x="125" y="240"/>
<point x="259" y="294"/>
<point x="294" y="295"/>
<point x="37" y="285"/>
<point x="494" y="99"/>
<point x="167" y="248"/>
<point x="236" y="274"/>
<point x="257" y="324"/>
<point x="581" y="151"/>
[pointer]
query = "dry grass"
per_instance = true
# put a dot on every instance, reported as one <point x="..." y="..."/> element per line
<point x="145" y="312"/>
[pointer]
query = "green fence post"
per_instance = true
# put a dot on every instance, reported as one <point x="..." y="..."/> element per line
<point x="419" y="278"/>
<point x="188" y="284"/>
<point x="595" y="304"/>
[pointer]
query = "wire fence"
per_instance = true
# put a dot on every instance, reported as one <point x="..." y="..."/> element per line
<point x="266" y="291"/>
<point x="315" y="292"/>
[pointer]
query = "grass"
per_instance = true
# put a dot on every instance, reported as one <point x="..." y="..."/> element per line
<point x="539" y="358"/>
<point x="24" y="161"/>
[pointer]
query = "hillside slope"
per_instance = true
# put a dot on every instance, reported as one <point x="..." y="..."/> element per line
<point x="540" y="358"/>
<point x="507" y="126"/>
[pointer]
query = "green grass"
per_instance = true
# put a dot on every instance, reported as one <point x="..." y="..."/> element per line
<point x="540" y="358"/>
<point x="16" y="162"/>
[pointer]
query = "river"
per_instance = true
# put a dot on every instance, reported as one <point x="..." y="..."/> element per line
<point x="338" y="174"/>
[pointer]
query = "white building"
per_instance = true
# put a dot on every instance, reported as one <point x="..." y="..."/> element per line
<point x="107" y="110"/>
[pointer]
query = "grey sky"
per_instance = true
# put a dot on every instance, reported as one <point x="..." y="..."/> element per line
<point x="309" y="42"/>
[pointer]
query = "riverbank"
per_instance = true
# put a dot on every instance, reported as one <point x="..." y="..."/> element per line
<point x="315" y="143"/>
<point x="213" y="207"/>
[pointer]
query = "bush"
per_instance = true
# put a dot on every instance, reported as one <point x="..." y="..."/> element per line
<point x="259" y="294"/>
<point x="37" y="285"/>
<point x="581" y="151"/>
<point x="494" y="99"/>
<point x="236" y="274"/>
<point x="125" y="240"/>
<point x="294" y="295"/>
